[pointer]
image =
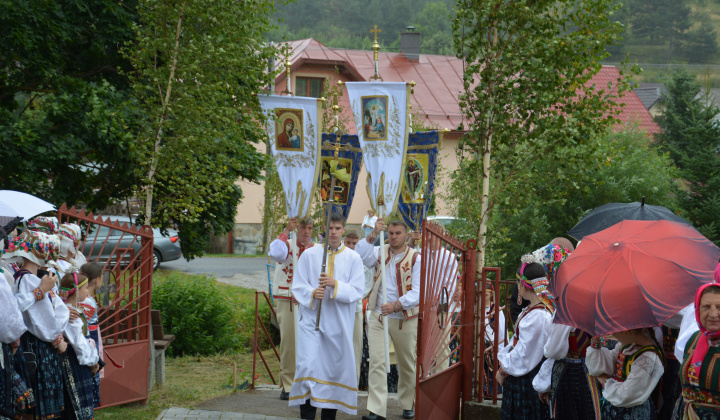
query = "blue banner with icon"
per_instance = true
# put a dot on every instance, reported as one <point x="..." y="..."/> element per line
<point x="418" y="177"/>
<point x="349" y="161"/>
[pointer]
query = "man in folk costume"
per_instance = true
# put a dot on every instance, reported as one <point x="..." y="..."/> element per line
<point x="402" y="277"/>
<point x="283" y="250"/>
<point x="325" y="376"/>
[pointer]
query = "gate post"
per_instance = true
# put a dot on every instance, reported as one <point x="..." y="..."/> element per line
<point x="467" y="346"/>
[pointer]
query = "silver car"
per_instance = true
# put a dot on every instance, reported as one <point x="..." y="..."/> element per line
<point x="165" y="248"/>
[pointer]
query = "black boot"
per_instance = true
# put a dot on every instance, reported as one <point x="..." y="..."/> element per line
<point x="328" y="414"/>
<point x="307" y="411"/>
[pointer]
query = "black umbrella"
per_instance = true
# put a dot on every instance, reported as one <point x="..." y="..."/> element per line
<point x="607" y="215"/>
<point x="7" y="225"/>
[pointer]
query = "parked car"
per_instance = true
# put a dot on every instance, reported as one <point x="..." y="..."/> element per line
<point x="165" y="248"/>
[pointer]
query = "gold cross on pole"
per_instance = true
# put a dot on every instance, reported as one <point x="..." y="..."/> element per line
<point x="376" y="30"/>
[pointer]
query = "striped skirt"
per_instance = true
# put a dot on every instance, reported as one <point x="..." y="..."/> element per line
<point x="79" y="385"/>
<point x="575" y="395"/>
<point x="44" y="373"/>
<point x="521" y="401"/>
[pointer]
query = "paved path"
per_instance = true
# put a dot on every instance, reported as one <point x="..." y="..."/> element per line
<point x="248" y="272"/>
<point x="176" y="413"/>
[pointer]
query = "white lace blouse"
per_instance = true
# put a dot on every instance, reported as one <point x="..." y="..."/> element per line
<point x="520" y="359"/>
<point x="645" y="373"/>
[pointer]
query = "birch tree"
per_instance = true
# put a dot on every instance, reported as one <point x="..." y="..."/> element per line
<point x="527" y="91"/>
<point x="197" y="66"/>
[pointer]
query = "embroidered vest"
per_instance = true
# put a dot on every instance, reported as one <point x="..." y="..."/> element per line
<point x="283" y="280"/>
<point x="624" y="362"/>
<point x="708" y="379"/>
<point x="523" y="314"/>
<point x="578" y="341"/>
<point x="403" y="275"/>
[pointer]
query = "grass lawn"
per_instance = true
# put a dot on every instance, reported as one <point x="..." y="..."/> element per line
<point x="191" y="380"/>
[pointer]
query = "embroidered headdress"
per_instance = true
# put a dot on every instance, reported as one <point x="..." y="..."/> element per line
<point x="550" y="257"/>
<point x="539" y="285"/>
<point x="44" y="224"/>
<point x="37" y="247"/>
<point x="66" y="292"/>
<point x="68" y="239"/>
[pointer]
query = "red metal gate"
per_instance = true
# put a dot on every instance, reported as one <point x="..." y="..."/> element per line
<point x="126" y="253"/>
<point x="447" y="315"/>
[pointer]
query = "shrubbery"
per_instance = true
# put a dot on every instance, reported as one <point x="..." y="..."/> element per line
<point x="199" y="313"/>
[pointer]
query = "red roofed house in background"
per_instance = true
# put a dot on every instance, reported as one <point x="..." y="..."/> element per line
<point x="435" y="99"/>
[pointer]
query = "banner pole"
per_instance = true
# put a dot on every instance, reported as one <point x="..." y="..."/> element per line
<point x="383" y="256"/>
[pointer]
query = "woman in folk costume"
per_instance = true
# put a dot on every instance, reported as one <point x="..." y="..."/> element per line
<point x="700" y="372"/>
<point x="69" y="234"/>
<point x="80" y="361"/>
<point x="520" y="361"/>
<point x="629" y="374"/>
<point x="563" y="380"/>
<point x="93" y="271"/>
<point x="45" y="320"/>
<point x="15" y="397"/>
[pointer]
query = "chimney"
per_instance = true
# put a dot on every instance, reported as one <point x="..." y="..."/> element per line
<point x="410" y="44"/>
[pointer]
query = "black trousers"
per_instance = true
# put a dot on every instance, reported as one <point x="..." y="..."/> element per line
<point x="307" y="412"/>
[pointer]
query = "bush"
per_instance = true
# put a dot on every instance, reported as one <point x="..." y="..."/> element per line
<point x="199" y="314"/>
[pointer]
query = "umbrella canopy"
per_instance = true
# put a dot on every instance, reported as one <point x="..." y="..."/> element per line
<point x="15" y="203"/>
<point x="609" y="214"/>
<point x="634" y="274"/>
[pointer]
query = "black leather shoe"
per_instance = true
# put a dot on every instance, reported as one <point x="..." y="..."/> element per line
<point x="284" y="395"/>
<point x="408" y="414"/>
<point x="373" y="416"/>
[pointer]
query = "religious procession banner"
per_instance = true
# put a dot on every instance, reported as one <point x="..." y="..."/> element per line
<point x="418" y="177"/>
<point x="294" y="129"/>
<point x="380" y="111"/>
<point x="350" y="159"/>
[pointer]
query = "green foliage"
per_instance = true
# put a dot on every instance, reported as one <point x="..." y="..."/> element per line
<point x="346" y="23"/>
<point x="527" y="91"/>
<point x="196" y="67"/>
<point x="692" y="137"/>
<point x="198" y="313"/>
<point x="65" y="113"/>
<point x="557" y="191"/>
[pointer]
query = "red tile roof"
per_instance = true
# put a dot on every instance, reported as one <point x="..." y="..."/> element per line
<point x="438" y="78"/>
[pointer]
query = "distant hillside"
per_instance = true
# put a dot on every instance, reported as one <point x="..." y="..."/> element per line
<point x="659" y="34"/>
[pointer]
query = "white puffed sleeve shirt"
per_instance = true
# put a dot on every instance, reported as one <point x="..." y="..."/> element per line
<point x="12" y="325"/>
<point x="47" y="318"/>
<point x="85" y="349"/>
<point x="645" y="373"/>
<point x="520" y="359"/>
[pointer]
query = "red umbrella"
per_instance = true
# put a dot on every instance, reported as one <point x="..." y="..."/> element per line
<point x="634" y="274"/>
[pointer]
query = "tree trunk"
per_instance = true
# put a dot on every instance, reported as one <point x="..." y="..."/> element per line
<point x="163" y="114"/>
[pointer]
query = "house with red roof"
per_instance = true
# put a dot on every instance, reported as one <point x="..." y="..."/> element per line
<point x="435" y="102"/>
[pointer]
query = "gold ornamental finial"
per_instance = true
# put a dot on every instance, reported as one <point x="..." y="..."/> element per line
<point x="288" y="64"/>
<point x="376" y="53"/>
